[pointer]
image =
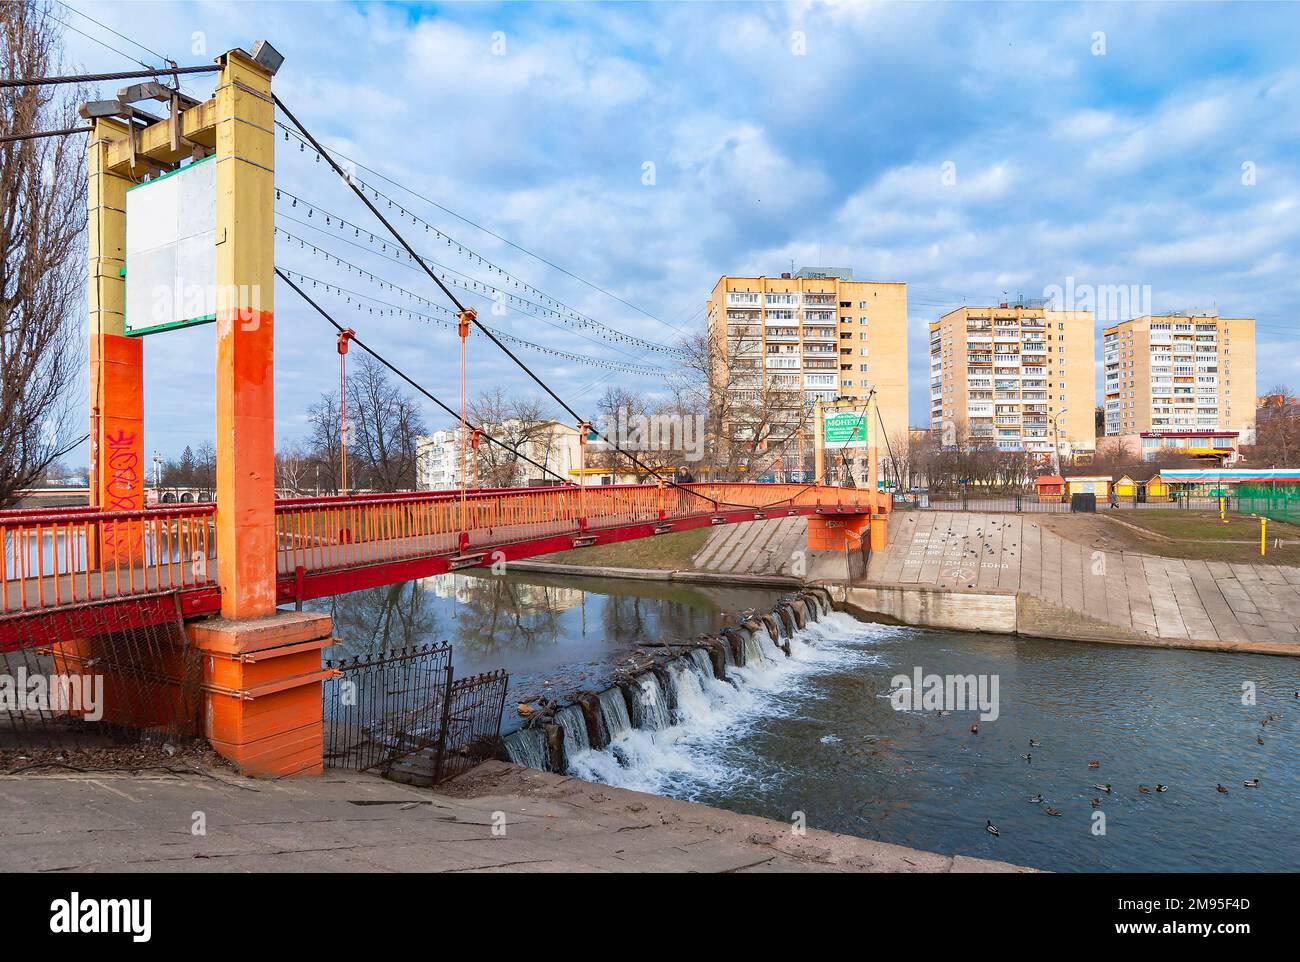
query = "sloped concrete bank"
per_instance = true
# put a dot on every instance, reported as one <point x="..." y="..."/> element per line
<point x="762" y="580"/>
<point x="1014" y="613"/>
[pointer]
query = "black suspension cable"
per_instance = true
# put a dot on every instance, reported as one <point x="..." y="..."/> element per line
<point x="385" y="362"/>
<point x="555" y="306"/>
<point x="653" y="472"/>
<point x="10" y="138"/>
<point x="505" y="240"/>
<point x="889" y="447"/>
<point x="96" y="77"/>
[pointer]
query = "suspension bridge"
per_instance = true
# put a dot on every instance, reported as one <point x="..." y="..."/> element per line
<point x="226" y="569"/>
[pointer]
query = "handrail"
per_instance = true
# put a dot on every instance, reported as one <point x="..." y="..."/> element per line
<point x="62" y="515"/>
<point x="55" y="557"/>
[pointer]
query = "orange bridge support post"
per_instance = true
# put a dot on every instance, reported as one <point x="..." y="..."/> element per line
<point x="116" y="381"/>
<point x="117" y="465"/>
<point x="262" y="668"/>
<point x="839" y="545"/>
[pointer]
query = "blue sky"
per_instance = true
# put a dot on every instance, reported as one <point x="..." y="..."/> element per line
<point x="1102" y="143"/>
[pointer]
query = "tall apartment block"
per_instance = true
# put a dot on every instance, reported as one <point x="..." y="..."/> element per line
<point x="816" y="332"/>
<point x="1018" y="376"/>
<point x="1180" y="375"/>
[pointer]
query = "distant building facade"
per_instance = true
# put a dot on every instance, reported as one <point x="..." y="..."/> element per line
<point x="1178" y="373"/>
<point x="1017" y="376"/>
<point x="817" y="334"/>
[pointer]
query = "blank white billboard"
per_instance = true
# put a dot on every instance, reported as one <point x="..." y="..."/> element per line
<point x="171" y="254"/>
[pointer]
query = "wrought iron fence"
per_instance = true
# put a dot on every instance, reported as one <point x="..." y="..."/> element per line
<point x="118" y="683"/>
<point x="473" y="726"/>
<point x="406" y="702"/>
<point x="379" y="709"/>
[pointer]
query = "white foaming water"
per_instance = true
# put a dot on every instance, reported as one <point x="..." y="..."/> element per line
<point x="690" y="755"/>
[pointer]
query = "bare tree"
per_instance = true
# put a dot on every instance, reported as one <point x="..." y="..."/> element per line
<point x="205" y="471"/>
<point x="294" y="467"/>
<point x="1277" y="430"/>
<point x="324" y="442"/>
<point x="521" y="425"/>
<point x="42" y="230"/>
<point x="383" y="424"/>
<point x="753" y="415"/>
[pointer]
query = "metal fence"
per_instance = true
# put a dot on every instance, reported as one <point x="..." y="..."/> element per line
<point x="1276" y="503"/>
<point x="406" y="702"/>
<point x="119" y="683"/>
<point x="1032" y="503"/>
<point x="473" y="726"/>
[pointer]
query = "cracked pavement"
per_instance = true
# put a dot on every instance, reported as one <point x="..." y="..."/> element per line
<point x="349" y="822"/>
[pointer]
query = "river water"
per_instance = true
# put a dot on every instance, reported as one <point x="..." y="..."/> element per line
<point x="817" y="733"/>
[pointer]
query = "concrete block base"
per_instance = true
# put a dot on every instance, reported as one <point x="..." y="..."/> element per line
<point x="262" y="690"/>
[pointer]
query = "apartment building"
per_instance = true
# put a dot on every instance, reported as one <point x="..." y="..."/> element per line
<point x="437" y="461"/>
<point x="1019" y="376"/>
<point x="1179" y="373"/>
<point x="815" y="333"/>
<point x="552" y="445"/>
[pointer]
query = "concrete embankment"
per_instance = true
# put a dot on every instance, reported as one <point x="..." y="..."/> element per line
<point x="1012" y="574"/>
<point x="349" y="822"/>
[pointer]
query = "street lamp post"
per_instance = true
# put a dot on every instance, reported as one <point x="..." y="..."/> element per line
<point x="1056" y="441"/>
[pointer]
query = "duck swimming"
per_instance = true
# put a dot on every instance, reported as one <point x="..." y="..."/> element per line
<point x="1220" y="789"/>
<point x="990" y="828"/>
<point x="1103" y="788"/>
<point x="1251" y="783"/>
<point x="1162" y="788"/>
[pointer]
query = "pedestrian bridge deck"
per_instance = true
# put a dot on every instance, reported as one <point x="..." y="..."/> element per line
<point x="62" y="567"/>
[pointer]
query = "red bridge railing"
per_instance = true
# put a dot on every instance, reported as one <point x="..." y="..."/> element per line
<point x="63" y="557"/>
<point x="343" y="532"/>
<point x="55" y="558"/>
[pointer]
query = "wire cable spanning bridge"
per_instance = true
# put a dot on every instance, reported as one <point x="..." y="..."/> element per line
<point x="65" y="575"/>
<point x="57" y="564"/>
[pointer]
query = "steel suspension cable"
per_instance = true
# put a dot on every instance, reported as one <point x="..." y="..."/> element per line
<point x="10" y="138"/>
<point x="386" y="363"/>
<point x="96" y="77"/>
<point x="473" y="319"/>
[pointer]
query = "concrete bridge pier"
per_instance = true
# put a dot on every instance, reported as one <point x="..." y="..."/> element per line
<point x="840" y="545"/>
<point x="261" y="702"/>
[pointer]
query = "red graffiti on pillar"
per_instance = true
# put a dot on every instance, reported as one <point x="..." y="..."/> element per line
<point x="123" y="491"/>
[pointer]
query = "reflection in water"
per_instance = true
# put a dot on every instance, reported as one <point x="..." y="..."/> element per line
<point x="817" y="733"/>
<point x="565" y="631"/>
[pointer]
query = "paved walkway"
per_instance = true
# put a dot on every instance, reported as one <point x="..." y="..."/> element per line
<point x="1167" y="598"/>
<point x="361" y="823"/>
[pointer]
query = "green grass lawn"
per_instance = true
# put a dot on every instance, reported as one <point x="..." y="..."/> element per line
<point x="665" y="552"/>
<point x="1204" y="524"/>
<point x="1201" y="535"/>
